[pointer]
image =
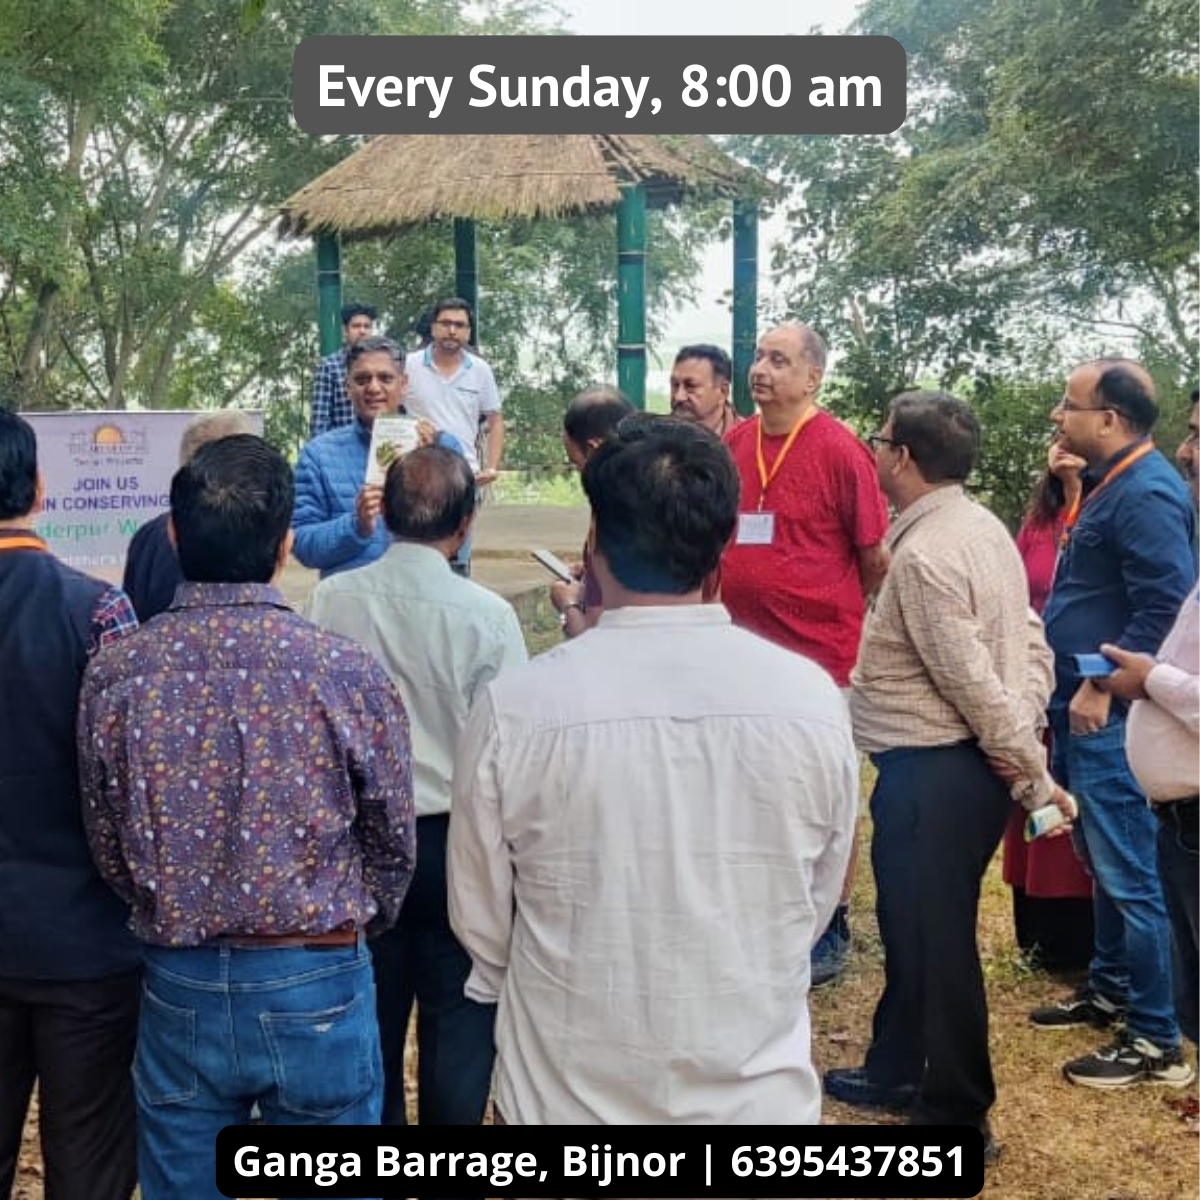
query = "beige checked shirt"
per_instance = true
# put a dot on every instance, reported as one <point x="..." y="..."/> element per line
<point x="951" y="650"/>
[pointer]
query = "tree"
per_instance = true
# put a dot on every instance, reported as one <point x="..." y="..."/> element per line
<point x="1038" y="205"/>
<point x="145" y="144"/>
<point x="1067" y="134"/>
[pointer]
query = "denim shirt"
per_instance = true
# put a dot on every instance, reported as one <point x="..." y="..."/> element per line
<point x="1127" y="566"/>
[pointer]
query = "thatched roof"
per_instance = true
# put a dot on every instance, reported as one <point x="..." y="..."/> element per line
<point x="405" y="179"/>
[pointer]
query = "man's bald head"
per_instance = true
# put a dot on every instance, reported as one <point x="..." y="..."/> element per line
<point x="789" y="364"/>
<point x="808" y="341"/>
<point x="1125" y="387"/>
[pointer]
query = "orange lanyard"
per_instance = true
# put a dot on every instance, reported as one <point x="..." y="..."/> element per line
<point x="22" y="543"/>
<point x="764" y="476"/>
<point x="1079" y="501"/>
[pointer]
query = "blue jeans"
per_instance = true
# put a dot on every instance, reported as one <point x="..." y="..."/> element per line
<point x="1179" y="869"/>
<point x="1132" y="962"/>
<point x="221" y="1029"/>
<point x="461" y="562"/>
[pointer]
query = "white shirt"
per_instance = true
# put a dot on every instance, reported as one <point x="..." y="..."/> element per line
<point x="1162" y="737"/>
<point x="453" y="403"/>
<point x="439" y="636"/>
<point x="650" y="828"/>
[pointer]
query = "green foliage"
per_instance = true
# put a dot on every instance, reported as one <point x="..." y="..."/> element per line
<point x="1015" y="418"/>
<point x="144" y="145"/>
<point x="1037" y="206"/>
<point x="1065" y="135"/>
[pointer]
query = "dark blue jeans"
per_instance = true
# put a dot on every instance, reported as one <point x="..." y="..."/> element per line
<point x="1132" y="961"/>
<point x="939" y="814"/>
<point x="1179" y="868"/>
<point x="292" y="1030"/>
<point x="420" y="961"/>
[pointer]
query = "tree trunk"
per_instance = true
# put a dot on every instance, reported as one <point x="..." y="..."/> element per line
<point x="30" y="367"/>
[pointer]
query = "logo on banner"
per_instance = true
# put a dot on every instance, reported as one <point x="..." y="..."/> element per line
<point x="107" y="444"/>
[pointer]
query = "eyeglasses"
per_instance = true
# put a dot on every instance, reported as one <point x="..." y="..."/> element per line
<point x="877" y="439"/>
<point x="1065" y="405"/>
<point x="455" y="325"/>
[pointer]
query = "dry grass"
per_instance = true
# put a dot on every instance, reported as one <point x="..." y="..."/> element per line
<point x="1060" y="1142"/>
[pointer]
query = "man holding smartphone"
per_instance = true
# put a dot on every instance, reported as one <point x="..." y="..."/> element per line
<point x="1163" y="743"/>
<point x="1127" y="561"/>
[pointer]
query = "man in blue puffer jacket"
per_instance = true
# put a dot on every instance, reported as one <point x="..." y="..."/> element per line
<point x="337" y="515"/>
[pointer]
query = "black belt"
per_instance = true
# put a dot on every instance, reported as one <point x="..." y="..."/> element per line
<point x="1181" y="814"/>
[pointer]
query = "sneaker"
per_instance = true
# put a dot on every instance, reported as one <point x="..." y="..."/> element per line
<point x="832" y="950"/>
<point x="1085" y="1007"/>
<point x="1130" y="1061"/>
<point x="992" y="1149"/>
<point x="852" y="1086"/>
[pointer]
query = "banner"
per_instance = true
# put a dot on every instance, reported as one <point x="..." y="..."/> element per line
<point x="106" y="474"/>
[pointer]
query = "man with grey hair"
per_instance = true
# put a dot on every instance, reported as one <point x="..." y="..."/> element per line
<point x="948" y="699"/>
<point x="338" y="514"/>
<point x="152" y="571"/>
<point x="442" y="639"/>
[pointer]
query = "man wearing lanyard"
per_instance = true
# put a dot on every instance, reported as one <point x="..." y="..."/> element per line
<point x="1163" y="744"/>
<point x="1128" y="560"/>
<point x="809" y="542"/>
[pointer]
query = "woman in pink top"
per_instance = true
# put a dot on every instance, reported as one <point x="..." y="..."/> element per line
<point x="1052" y="893"/>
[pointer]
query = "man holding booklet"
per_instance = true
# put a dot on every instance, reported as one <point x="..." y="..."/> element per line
<point x="339" y="478"/>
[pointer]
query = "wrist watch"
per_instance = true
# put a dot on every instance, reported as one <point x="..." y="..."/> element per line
<point x="566" y="608"/>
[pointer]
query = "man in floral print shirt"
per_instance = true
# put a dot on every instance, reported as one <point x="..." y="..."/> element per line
<point x="247" y="789"/>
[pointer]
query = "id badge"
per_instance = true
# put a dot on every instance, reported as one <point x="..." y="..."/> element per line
<point x="755" y="529"/>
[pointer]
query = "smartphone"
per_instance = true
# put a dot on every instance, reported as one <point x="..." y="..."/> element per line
<point x="1093" y="666"/>
<point x="554" y="565"/>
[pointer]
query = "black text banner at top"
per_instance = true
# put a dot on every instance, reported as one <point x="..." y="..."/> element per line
<point x="559" y="84"/>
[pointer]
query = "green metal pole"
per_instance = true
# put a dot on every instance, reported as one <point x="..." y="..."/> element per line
<point x="329" y="293"/>
<point x="745" y="300"/>
<point x="631" y="294"/>
<point x="466" y="266"/>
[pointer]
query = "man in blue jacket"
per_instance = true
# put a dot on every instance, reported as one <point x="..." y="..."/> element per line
<point x="1127" y="561"/>
<point x="337" y="518"/>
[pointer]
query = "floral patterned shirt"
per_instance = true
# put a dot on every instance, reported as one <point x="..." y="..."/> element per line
<point x="244" y="772"/>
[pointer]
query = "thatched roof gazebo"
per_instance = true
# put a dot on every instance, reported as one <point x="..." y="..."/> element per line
<point x="400" y="180"/>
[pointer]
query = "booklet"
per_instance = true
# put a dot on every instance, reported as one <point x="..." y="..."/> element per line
<point x="391" y="438"/>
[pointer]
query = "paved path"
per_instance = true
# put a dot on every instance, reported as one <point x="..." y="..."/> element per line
<point x="504" y="535"/>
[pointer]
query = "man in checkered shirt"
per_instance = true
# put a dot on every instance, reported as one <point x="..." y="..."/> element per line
<point x="330" y="404"/>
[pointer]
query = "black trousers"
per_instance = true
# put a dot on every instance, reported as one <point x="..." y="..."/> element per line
<point x="76" y="1041"/>
<point x="939" y="814"/>
<point x="421" y="960"/>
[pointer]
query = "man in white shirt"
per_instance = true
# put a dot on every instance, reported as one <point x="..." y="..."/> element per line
<point x="650" y="828"/>
<point x="442" y="638"/>
<point x="456" y="389"/>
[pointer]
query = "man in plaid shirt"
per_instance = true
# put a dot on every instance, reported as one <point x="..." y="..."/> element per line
<point x="330" y="404"/>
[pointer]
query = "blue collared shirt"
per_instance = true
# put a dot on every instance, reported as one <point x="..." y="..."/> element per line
<point x="1127" y="566"/>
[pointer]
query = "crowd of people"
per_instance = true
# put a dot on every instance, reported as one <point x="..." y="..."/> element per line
<point x="240" y="845"/>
